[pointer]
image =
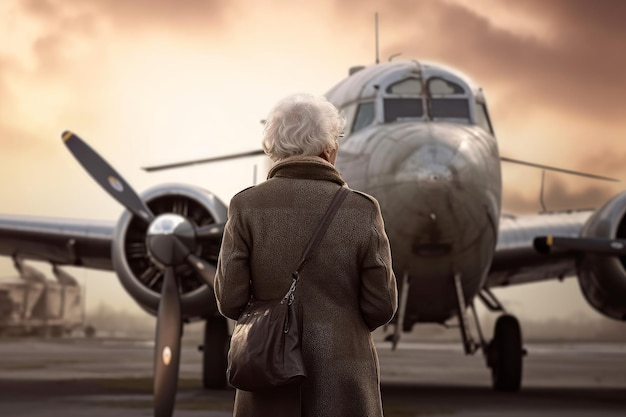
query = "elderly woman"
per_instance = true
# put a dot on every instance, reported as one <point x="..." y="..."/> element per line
<point x="347" y="288"/>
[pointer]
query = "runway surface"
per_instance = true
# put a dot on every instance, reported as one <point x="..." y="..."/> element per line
<point x="102" y="378"/>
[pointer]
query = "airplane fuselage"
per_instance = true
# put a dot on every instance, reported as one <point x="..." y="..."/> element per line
<point x="439" y="188"/>
<point x="419" y="139"/>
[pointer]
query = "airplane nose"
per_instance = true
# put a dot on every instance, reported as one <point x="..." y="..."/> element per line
<point x="425" y="182"/>
<point x="428" y="165"/>
<point x="437" y="185"/>
<point x="438" y="188"/>
<point x="438" y="195"/>
<point x="427" y="174"/>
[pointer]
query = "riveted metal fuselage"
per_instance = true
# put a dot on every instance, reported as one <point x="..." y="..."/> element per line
<point x="419" y="139"/>
<point x="439" y="188"/>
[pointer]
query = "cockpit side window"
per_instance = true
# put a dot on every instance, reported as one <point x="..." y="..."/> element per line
<point x="482" y="117"/>
<point x="348" y="113"/>
<point x="364" y="116"/>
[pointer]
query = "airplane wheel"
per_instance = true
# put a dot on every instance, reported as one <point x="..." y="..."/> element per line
<point x="505" y="355"/>
<point x="215" y="353"/>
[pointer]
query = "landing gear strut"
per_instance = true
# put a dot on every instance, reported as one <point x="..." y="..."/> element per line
<point x="215" y="353"/>
<point x="505" y="352"/>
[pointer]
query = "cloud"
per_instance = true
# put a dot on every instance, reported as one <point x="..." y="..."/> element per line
<point x="11" y="137"/>
<point x="16" y="141"/>
<point x="579" y="68"/>
<point x="610" y="161"/>
<point x="558" y="195"/>
<point x="49" y="52"/>
<point x="5" y="65"/>
<point x="138" y="15"/>
<point x="45" y="9"/>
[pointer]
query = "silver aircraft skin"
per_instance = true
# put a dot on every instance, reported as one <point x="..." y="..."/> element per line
<point x="419" y="139"/>
<point x="437" y="177"/>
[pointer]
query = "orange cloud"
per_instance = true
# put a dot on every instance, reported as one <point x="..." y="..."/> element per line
<point x="580" y="68"/>
<point x="137" y="15"/>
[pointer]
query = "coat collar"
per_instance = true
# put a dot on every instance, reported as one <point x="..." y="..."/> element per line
<point x="306" y="167"/>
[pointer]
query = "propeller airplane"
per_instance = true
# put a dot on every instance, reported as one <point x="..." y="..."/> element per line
<point x="418" y="138"/>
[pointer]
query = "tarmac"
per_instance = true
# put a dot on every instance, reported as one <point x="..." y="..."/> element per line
<point x="112" y="378"/>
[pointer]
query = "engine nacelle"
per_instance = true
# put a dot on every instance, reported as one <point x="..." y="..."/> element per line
<point x="602" y="279"/>
<point x="138" y="273"/>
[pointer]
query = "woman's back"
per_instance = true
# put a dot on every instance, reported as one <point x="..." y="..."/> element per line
<point x="345" y="289"/>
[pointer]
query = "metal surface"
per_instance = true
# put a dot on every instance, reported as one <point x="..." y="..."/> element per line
<point x="438" y="184"/>
<point x="516" y="261"/>
<point x="62" y="241"/>
<point x="169" y="240"/>
<point x="602" y="279"/>
<point x="142" y="277"/>
<point x="106" y="176"/>
<point x="202" y="161"/>
<point x="167" y="347"/>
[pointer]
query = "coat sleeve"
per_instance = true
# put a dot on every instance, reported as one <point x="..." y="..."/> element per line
<point x="232" y="279"/>
<point x="379" y="294"/>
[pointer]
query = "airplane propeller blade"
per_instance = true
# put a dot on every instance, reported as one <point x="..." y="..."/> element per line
<point x="106" y="176"/>
<point x="167" y="346"/>
<point x="611" y="247"/>
<point x="203" y="268"/>
<point x="203" y="161"/>
<point x="211" y="232"/>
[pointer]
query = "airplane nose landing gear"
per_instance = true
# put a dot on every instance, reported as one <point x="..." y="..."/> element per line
<point x="505" y="351"/>
<point x="504" y="354"/>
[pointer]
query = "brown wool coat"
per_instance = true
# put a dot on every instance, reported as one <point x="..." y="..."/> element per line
<point x="346" y="290"/>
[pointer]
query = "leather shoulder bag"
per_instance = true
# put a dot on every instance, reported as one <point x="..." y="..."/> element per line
<point x="265" y="346"/>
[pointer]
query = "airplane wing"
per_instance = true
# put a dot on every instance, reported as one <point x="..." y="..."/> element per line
<point x="516" y="261"/>
<point x="58" y="241"/>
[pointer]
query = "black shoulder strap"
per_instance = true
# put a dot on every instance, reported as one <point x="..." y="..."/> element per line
<point x="319" y="233"/>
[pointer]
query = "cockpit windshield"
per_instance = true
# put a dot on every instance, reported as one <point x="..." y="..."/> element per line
<point x="403" y="100"/>
<point x="448" y="100"/>
<point x="438" y="99"/>
<point x="411" y="86"/>
<point x="399" y="108"/>
<point x="454" y="108"/>
<point x="439" y="86"/>
<point x="417" y="96"/>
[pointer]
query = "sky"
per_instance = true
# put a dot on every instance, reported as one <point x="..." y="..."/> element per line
<point x="154" y="81"/>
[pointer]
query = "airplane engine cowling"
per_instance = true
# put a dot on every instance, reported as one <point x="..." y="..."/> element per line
<point x="602" y="279"/>
<point x="138" y="273"/>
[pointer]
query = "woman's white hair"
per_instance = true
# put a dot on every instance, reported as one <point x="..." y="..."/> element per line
<point x="302" y="124"/>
